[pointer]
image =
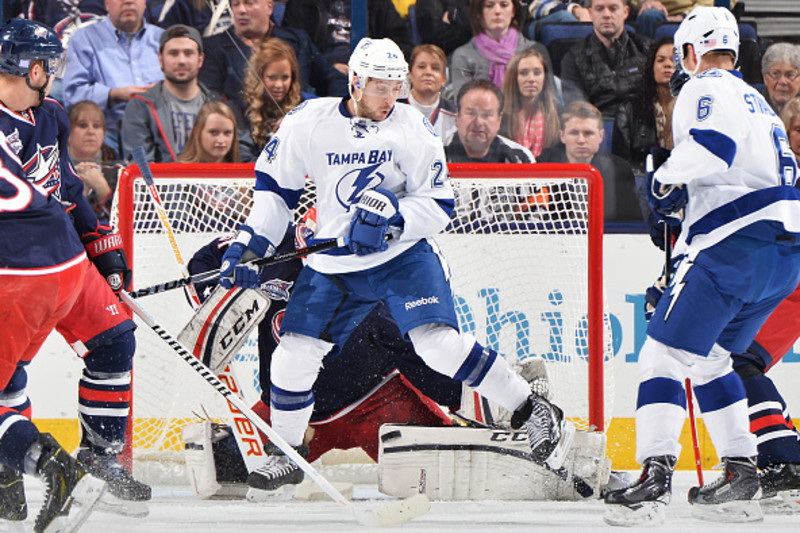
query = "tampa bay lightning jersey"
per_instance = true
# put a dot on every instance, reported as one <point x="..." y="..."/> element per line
<point x="345" y="156"/>
<point x="36" y="235"/>
<point x="732" y="152"/>
<point x="38" y="136"/>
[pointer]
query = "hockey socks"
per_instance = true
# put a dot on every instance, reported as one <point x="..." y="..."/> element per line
<point x="104" y="400"/>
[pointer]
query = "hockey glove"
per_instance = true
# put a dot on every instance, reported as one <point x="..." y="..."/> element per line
<point x="376" y="211"/>
<point x="656" y="227"/>
<point x="104" y="248"/>
<point x="246" y="247"/>
<point x="653" y="294"/>
<point x="677" y="81"/>
<point x="667" y="201"/>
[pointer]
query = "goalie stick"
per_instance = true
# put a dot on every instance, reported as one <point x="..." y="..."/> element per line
<point x="395" y="513"/>
<point x="319" y="246"/>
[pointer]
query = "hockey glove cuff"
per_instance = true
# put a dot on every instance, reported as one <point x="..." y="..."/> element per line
<point x="377" y="213"/>
<point x="667" y="201"/>
<point x="104" y="248"/>
<point x="246" y="246"/>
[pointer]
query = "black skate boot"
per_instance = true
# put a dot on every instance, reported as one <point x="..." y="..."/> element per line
<point x="65" y="482"/>
<point x="12" y="495"/>
<point x="108" y="468"/>
<point x="278" y="471"/>
<point x="780" y="478"/>
<point x="733" y="497"/>
<point x="549" y="434"/>
<point x="644" y="501"/>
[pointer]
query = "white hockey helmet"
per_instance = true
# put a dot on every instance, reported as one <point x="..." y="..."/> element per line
<point x="707" y="29"/>
<point x="377" y="58"/>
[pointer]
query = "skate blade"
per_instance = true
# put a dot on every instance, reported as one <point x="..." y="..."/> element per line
<point x="644" y="513"/>
<point x="281" y="494"/>
<point x="109" y="503"/>
<point x="786" y="502"/>
<point x="734" y="512"/>
<point x="86" y="494"/>
<point x="395" y="513"/>
<point x="559" y="455"/>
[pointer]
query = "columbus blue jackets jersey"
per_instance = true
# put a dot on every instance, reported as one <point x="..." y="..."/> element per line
<point x="38" y="136"/>
<point x="345" y="156"/>
<point x="374" y="349"/>
<point x="36" y="235"/>
<point x="732" y="152"/>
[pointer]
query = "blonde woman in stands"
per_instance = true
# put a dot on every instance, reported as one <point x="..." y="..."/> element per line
<point x="530" y="114"/>
<point x="791" y="121"/>
<point x="213" y="138"/>
<point x="271" y="87"/>
<point x="495" y="26"/>
<point x="428" y="76"/>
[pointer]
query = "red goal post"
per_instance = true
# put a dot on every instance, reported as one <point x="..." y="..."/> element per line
<point x="525" y="248"/>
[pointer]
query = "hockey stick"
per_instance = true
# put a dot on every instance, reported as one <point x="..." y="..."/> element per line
<point x="214" y="274"/>
<point x="698" y="461"/>
<point x="395" y="513"/>
<point x="140" y="158"/>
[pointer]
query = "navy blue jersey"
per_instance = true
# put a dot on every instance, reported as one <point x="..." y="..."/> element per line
<point x="375" y="348"/>
<point x="36" y="235"/>
<point x="38" y="136"/>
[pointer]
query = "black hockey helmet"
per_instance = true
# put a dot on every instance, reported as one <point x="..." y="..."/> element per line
<point x="24" y="41"/>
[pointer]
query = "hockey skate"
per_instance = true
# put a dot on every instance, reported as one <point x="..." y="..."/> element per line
<point x="279" y="470"/>
<point x="125" y="495"/>
<point x="549" y="433"/>
<point x="731" y="498"/>
<point x="12" y="495"/>
<point x="781" y="486"/>
<point x="66" y="482"/>
<point x="645" y="501"/>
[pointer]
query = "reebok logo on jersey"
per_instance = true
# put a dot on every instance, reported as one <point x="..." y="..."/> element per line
<point x="422" y="301"/>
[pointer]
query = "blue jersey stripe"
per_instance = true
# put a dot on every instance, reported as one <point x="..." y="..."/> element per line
<point x="661" y="390"/>
<point x="717" y="143"/>
<point x="265" y="182"/>
<point x="720" y="393"/>
<point x="741" y="207"/>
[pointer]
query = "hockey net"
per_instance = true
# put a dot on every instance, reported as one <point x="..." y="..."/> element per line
<point x="524" y="250"/>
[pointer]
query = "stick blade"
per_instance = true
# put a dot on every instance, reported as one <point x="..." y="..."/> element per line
<point x="395" y="513"/>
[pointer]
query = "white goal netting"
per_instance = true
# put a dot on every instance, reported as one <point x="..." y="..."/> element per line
<point x="518" y="248"/>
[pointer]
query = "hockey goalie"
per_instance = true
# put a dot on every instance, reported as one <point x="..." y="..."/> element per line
<point x="453" y="444"/>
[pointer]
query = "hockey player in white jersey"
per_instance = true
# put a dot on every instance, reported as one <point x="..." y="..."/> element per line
<point x="379" y="170"/>
<point x="730" y="179"/>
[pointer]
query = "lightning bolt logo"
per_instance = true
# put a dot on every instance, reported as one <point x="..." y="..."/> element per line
<point x="354" y="183"/>
<point x="678" y="284"/>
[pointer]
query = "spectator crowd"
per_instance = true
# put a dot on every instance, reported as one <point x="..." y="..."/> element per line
<point x="197" y="81"/>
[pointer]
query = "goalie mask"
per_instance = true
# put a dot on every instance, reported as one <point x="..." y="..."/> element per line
<point x="379" y="59"/>
<point x="707" y="29"/>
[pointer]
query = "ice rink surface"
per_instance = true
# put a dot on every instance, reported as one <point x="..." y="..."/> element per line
<point x="177" y="510"/>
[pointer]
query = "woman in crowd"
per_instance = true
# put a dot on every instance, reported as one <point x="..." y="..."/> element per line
<point x="271" y="87"/>
<point x="213" y="138"/>
<point x="427" y="76"/>
<point x="95" y="162"/>
<point x="530" y="116"/>
<point x="781" y="69"/>
<point x="791" y="121"/>
<point x="495" y="26"/>
<point x="645" y="123"/>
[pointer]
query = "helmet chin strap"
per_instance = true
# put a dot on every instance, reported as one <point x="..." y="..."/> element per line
<point x="41" y="90"/>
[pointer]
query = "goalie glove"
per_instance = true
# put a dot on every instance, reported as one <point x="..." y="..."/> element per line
<point x="376" y="211"/>
<point x="245" y="247"/>
<point x="104" y="248"/>
<point x="666" y="201"/>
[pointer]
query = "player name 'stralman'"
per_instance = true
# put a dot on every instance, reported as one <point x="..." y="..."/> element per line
<point x="359" y="158"/>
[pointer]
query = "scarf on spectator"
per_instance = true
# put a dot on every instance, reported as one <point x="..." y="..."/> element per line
<point x="530" y="131"/>
<point x="499" y="53"/>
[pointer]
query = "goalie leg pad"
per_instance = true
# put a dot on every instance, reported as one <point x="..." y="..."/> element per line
<point x="479" y="464"/>
<point x="199" y="456"/>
